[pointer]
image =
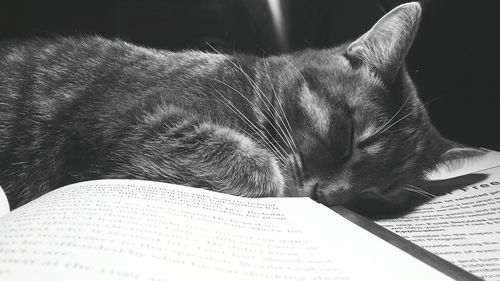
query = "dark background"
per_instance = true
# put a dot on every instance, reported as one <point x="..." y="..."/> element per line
<point x="454" y="60"/>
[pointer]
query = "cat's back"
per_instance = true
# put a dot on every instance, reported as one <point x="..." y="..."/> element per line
<point x="44" y="63"/>
<point x="39" y="77"/>
<point x="49" y="85"/>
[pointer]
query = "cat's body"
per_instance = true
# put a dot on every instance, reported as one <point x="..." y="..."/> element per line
<point x="329" y="124"/>
<point x="93" y="108"/>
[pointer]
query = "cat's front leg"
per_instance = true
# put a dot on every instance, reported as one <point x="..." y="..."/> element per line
<point x="205" y="155"/>
<point x="231" y="162"/>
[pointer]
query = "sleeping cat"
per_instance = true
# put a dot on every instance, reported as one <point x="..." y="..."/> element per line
<point x="332" y="124"/>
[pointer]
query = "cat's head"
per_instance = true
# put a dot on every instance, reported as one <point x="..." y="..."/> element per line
<point x="357" y="125"/>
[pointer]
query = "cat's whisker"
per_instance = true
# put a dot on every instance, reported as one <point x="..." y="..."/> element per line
<point x="398" y="130"/>
<point x="280" y="153"/>
<point x="260" y="93"/>
<point x="287" y="126"/>
<point x="239" y="114"/>
<point x="393" y="116"/>
<point x="264" y="143"/>
<point x="421" y="190"/>
<point x="432" y="100"/>
<point x="405" y="130"/>
<point x="399" y="120"/>
<point x="254" y="105"/>
<point x="418" y="192"/>
<point x="282" y="110"/>
<point x="287" y="138"/>
<point x="289" y="129"/>
<point x="271" y="108"/>
<point x="256" y="138"/>
<point x="294" y="67"/>
<point x="267" y="103"/>
<point x="256" y="89"/>
<point x="284" y="133"/>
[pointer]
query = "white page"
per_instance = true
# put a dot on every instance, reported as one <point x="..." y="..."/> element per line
<point x="133" y="230"/>
<point x="4" y="203"/>
<point x="462" y="227"/>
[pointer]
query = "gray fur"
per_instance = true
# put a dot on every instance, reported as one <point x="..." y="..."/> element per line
<point x="318" y="123"/>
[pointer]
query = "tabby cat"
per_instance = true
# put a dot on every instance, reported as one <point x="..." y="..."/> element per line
<point x="332" y="124"/>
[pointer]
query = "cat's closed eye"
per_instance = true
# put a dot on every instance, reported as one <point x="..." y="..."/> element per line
<point x="351" y="143"/>
<point x="367" y="142"/>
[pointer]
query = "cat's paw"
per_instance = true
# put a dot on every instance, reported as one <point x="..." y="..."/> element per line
<point x="235" y="164"/>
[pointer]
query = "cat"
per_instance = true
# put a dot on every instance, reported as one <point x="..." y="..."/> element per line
<point x="332" y="124"/>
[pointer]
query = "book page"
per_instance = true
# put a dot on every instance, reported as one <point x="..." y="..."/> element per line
<point x="462" y="227"/>
<point x="4" y="203"/>
<point x="135" y="230"/>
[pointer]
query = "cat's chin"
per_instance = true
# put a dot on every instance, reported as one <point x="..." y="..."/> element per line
<point x="339" y="198"/>
<point x="374" y="204"/>
<point x="374" y="208"/>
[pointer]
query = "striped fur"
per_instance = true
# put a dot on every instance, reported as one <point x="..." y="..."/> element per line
<point x="320" y="123"/>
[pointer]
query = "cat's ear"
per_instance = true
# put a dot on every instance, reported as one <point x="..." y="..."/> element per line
<point x="385" y="45"/>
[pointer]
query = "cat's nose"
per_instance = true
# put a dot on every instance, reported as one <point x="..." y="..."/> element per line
<point x="324" y="197"/>
<point x="329" y="197"/>
<point x="314" y="193"/>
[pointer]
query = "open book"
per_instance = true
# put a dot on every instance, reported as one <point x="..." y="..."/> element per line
<point x="138" y="230"/>
<point x="462" y="224"/>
